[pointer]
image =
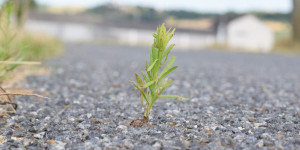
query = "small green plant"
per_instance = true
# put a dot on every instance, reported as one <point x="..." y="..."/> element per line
<point x="154" y="81"/>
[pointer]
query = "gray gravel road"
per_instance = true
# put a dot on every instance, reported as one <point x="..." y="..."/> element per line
<point x="238" y="101"/>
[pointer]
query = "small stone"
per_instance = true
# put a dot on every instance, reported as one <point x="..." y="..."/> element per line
<point x="176" y="111"/>
<point x="58" y="146"/>
<point x="186" y="143"/>
<point x="2" y="139"/>
<point x="173" y="123"/>
<point x="128" y="143"/>
<point x="169" y="135"/>
<point x="143" y="147"/>
<point x="208" y="129"/>
<point x="250" y="139"/>
<point x="288" y="127"/>
<point x="33" y="129"/>
<point x="71" y="119"/>
<point x="89" y="115"/>
<point x="262" y="124"/>
<point x="81" y="126"/>
<point x="241" y="128"/>
<point x="20" y="119"/>
<point x="157" y="145"/>
<point x="39" y="135"/>
<point x="169" y="116"/>
<point x="239" y="137"/>
<point x="266" y="136"/>
<point x="205" y="141"/>
<point x="19" y="133"/>
<point x="121" y="127"/>
<point x="280" y="137"/>
<point x="226" y="142"/>
<point x="260" y="143"/>
<point x="190" y="126"/>
<point x="51" y="142"/>
<point x="251" y="119"/>
<point x="268" y="143"/>
<point x="33" y="113"/>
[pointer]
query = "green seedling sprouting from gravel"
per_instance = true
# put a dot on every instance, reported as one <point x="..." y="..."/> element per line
<point x="154" y="80"/>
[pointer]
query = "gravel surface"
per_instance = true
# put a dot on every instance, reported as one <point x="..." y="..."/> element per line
<point x="238" y="101"/>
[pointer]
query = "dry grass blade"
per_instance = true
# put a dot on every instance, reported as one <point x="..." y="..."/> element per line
<point x="8" y="106"/>
<point x="25" y="94"/>
<point x="21" y="62"/>
<point x="22" y="93"/>
<point x="4" y="98"/>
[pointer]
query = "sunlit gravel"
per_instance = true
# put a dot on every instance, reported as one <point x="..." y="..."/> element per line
<point x="237" y="101"/>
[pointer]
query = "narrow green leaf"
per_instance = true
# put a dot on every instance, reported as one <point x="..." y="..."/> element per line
<point x="142" y="101"/>
<point x="152" y="65"/>
<point x="145" y="77"/>
<point x="148" y="84"/>
<point x="169" y="30"/>
<point x="154" y="35"/>
<point x="168" y="50"/>
<point x="149" y="74"/>
<point x="174" y="97"/>
<point x="163" y="85"/>
<point x="163" y="74"/>
<point x="166" y="54"/>
<point x="169" y="64"/>
<point x="139" y="80"/>
<point x="147" y="64"/>
<point x="142" y="92"/>
<point x="170" y="35"/>
<point x="154" y="54"/>
<point x="173" y="32"/>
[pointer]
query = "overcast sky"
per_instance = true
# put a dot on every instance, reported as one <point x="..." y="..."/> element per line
<point x="218" y="6"/>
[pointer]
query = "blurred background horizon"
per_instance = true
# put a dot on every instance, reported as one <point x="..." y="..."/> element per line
<point x="240" y="25"/>
<point x="212" y="6"/>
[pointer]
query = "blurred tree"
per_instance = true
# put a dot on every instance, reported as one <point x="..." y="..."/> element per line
<point x="182" y="14"/>
<point x="149" y="15"/>
<point x="104" y="9"/>
<point x="296" y="20"/>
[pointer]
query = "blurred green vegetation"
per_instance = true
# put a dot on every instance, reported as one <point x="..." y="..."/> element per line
<point x="7" y="36"/>
<point x="38" y="47"/>
<point x="17" y="45"/>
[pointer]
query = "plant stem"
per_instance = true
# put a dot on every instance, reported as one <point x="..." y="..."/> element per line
<point x="147" y="112"/>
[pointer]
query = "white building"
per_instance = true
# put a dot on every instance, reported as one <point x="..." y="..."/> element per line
<point x="246" y="33"/>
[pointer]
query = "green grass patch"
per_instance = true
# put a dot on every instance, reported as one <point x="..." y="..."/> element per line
<point x="17" y="46"/>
